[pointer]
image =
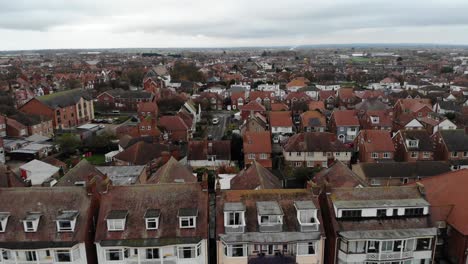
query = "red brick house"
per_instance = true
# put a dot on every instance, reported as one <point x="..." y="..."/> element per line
<point x="377" y="120"/>
<point x="238" y="100"/>
<point x="413" y="145"/>
<point x="39" y="125"/>
<point x="175" y="128"/>
<point x="257" y="146"/>
<point x="252" y="107"/>
<point x="124" y="100"/>
<point x="147" y="127"/>
<point x="414" y="107"/>
<point x="15" y="128"/>
<point x="148" y="109"/>
<point x="374" y="146"/>
<point x="452" y="146"/>
<point x="210" y="101"/>
<point x="67" y="109"/>
<point x="449" y="210"/>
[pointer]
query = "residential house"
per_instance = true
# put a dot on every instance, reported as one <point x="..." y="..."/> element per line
<point x="124" y="100"/>
<point x="294" y="98"/>
<point x="255" y="177"/>
<point x="175" y="128"/>
<point x="447" y="195"/>
<point x="209" y="154"/>
<point x="67" y="109"/>
<point x="371" y="224"/>
<point x="433" y="123"/>
<point x="153" y="223"/>
<point x="452" y="146"/>
<point x="252" y="107"/>
<point x="35" y="125"/>
<point x="124" y="175"/>
<point x="172" y="172"/>
<point x="2" y="126"/>
<point x="39" y="173"/>
<point x="142" y="153"/>
<point x="313" y="121"/>
<point x="148" y="127"/>
<point x="345" y="124"/>
<point x="415" y="108"/>
<point x="297" y="83"/>
<point x="315" y="149"/>
<point x="398" y="173"/>
<point x="257" y="146"/>
<point x="444" y="107"/>
<point x="262" y="97"/>
<point x="346" y="98"/>
<point x="2" y="152"/>
<point x="269" y="226"/>
<point x="377" y="120"/>
<point x="281" y="123"/>
<point x="413" y="145"/>
<point x="338" y="175"/>
<point x="238" y="100"/>
<point x="146" y="109"/>
<point x="46" y="225"/>
<point x="15" y="128"/>
<point x="374" y="146"/>
<point x="210" y="101"/>
<point x="329" y="98"/>
<point x="254" y="123"/>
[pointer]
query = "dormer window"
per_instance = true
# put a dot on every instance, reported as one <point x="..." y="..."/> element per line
<point x="374" y="119"/>
<point x="31" y="222"/>
<point x="187" y="217"/>
<point x="270" y="216"/>
<point x="234" y="217"/>
<point x="116" y="220"/>
<point x="412" y="143"/>
<point x="152" y="219"/>
<point x="3" y="221"/>
<point x="307" y="215"/>
<point x="66" y="221"/>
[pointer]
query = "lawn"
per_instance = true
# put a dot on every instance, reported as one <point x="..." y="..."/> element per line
<point x="97" y="159"/>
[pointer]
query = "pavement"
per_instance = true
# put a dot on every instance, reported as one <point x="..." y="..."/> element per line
<point x="217" y="131"/>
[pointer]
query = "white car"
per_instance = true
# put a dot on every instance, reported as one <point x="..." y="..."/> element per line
<point x="215" y="121"/>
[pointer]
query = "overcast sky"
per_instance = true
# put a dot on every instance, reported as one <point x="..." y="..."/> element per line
<point x="50" y="24"/>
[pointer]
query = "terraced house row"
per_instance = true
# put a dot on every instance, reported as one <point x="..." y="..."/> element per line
<point x="171" y="223"/>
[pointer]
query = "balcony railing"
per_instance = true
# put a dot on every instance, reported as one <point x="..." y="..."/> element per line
<point x="389" y="255"/>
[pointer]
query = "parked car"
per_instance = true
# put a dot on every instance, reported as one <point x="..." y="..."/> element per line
<point x="215" y="121"/>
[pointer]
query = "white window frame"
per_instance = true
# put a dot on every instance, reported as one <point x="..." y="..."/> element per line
<point x="192" y="221"/>
<point x="63" y="251"/>
<point x="251" y="156"/>
<point x="196" y="249"/>
<point x="152" y="254"/>
<point x="263" y="156"/>
<point x="426" y="154"/>
<point x="307" y="245"/>
<point x="414" y="154"/>
<point x="228" y="249"/>
<point x="120" y="251"/>
<point x="115" y="224"/>
<point x="61" y="229"/>
<point x="375" y="155"/>
<point x="152" y="220"/>
<point x="386" y="155"/>
<point x="227" y="218"/>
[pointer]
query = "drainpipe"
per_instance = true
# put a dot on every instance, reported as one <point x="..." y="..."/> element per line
<point x="336" y="250"/>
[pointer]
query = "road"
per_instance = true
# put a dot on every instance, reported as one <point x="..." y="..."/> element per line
<point x="217" y="131"/>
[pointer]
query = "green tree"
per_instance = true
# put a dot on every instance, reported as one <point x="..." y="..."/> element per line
<point x="186" y="72"/>
<point x="135" y="77"/>
<point x="69" y="143"/>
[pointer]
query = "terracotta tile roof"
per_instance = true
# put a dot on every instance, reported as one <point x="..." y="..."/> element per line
<point x="257" y="142"/>
<point x="142" y="152"/>
<point x="338" y="175"/>
<point x="169" y="199"/>
<point x="281" y="119"/>
<point x="252" y="106"/>
<point x="172" y="172"/>
<point x="253" y="95"/>
<point x="314" y="142"/>
<point x="279" y="107"/>
<point x="313" y="119"/>
<point x="323" y="95"/>
<point x="253" y="177"/>
<point x="345" y="93"/>
<point x="447" y="195"/>
<point x="298" y="96"/>
<point x="316" y="105"/>
<point x="376" y="141"/>
<point x="147" y="107"/>
<point x="345" y="118"/>
<point x="82" y="172"/>
<point x="173" y="123"/>
<point x="298" y="82"/>
<point x="49" y="202"/>
<point x="402" y="169"/>
<point x="385" y="119"/>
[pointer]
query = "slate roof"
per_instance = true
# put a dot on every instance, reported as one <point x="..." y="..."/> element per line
<point x="338" y="175"/>
<point x="127" y="94"/>
<point x="49" y="202"/>
<point x="455" y="140"/>
<point x="425" y="141"/>
<point x="169" y="199"/>
<point x="64" y="98"/>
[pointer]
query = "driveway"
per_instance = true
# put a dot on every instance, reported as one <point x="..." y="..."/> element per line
<point x="217" y="131"/>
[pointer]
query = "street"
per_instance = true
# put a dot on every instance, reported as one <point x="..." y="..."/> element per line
<point x="217" y="131"/>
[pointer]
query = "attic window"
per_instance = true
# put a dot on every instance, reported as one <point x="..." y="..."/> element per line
<point x="152" y="219"/>
<point x="307" y="215"/>
<point x="31" y="221"/>
<point x="374" y="119"/>
<point x="412" y="143"/>
<point x="3" y="221"/>
<point x="66" y="221"/>
<point x="187" y="217"/>
<point x="116" y="220"/>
